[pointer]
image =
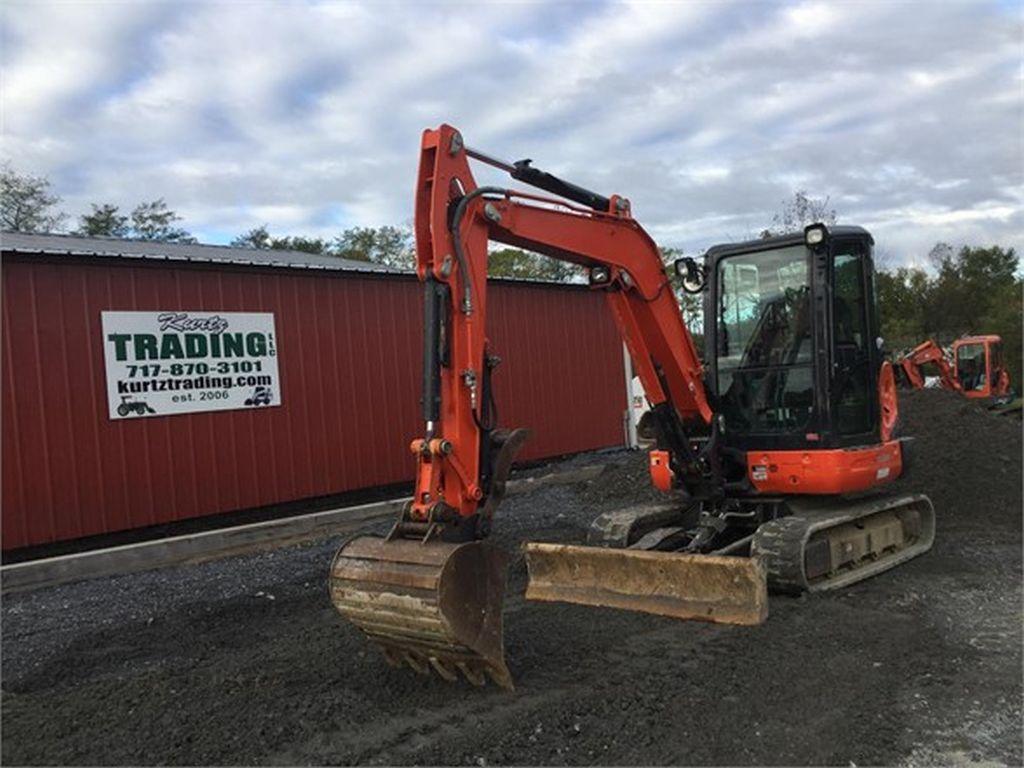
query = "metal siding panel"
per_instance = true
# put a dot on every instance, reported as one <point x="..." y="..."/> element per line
<point x="115" y="478"/>
<point x="24" y="340"/>
<point x="14" y="523"/>
<point x="135" y="434"/>
<point x="562" y="374"/>
<point x="350" y="360"/>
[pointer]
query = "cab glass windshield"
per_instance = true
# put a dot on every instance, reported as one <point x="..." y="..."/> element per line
<point x="764" y="344"/>
<point x="970" y="366"/>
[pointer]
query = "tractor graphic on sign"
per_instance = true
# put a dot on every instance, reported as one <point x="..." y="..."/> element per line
<point x="260" y="396"/>
<point x="138" y="407"/>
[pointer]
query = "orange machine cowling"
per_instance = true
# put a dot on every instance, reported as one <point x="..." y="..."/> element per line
<point x="836" y="471"/>
<point x="661" y="471"/>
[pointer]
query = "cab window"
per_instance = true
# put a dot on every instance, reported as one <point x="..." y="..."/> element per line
<point x="764" y="344"/>
<point x="970" y="366"/>
<point x="851" y="385"/>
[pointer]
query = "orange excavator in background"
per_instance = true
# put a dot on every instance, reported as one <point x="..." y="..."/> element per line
<point x="977" y="370"/>
<point x="773" y="455"/>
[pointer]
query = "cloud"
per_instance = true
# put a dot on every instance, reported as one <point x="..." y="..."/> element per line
<point x="307" y="116"/>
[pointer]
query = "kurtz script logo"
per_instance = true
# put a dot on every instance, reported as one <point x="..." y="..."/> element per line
<point x="180" y="321"/>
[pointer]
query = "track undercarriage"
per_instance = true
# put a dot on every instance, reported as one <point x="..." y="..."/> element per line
<point x="806" y="543"/>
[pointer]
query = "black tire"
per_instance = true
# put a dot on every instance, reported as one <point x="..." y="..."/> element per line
<point x="122" y="410"/>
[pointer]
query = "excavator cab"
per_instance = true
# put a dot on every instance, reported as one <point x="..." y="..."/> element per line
<point x="791" y="343"/>
<point x="979" y="368"/>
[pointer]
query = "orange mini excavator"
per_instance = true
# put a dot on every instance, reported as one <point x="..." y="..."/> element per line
<point x="771" y="454"/>
<point x="977" y="370"/>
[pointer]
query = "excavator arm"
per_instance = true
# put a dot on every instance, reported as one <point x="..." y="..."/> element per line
<point x="455" y="221"/>
<point x="928" y="352"/>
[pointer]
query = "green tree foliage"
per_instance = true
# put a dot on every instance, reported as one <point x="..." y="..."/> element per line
<point x="105" y="220"/>
<point x="257" y="237"/>
<point x="261" y="239"/>
<point x="303" y="244"/>
<point x="514" y="262"/>
<point x="155" y="221"/>
<point x="900" y="306"/>
<point x="387" y="245"/>
<point x="974" y="290"/>
<point x="27" y="204"/>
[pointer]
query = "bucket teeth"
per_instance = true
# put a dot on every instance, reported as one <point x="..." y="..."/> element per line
<point x="475" y="676"/>
<point x="434" y="606"/>
<point x="443" y="670"/>
<point x="417" y="664"/>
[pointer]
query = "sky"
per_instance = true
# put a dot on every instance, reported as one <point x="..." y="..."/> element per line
<point x="306" y="116"/>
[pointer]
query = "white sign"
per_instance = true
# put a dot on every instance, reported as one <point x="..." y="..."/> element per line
<point x="161" y="363"/>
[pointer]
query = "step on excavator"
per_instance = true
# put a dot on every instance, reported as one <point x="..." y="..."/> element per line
<point x="774" y="455"/>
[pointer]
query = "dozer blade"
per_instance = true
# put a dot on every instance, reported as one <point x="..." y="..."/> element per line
<point x="433" y="606"/>
<point x="728" y="590"/>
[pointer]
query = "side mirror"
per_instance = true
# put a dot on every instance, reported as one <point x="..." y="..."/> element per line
<point x="691" y="274"/>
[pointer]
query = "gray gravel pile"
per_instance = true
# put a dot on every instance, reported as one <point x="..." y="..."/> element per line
<point x="244" y="660"/>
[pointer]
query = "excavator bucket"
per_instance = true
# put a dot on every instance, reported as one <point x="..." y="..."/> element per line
<point x="728" y="590"/>
<point x="434" y="606"/>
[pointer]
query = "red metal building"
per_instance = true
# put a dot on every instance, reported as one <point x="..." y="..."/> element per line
<point x="349" y="356"/>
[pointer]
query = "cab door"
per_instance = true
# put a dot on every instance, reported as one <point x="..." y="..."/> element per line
<point x="854" y="353"/>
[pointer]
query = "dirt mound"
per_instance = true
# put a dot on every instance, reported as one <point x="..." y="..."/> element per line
<point x="965" y="457"/>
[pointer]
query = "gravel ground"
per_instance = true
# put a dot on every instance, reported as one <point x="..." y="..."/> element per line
<point x="244" y="660"/>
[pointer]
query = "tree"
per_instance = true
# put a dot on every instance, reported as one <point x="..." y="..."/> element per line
<point x="104" y="220"/>
<point x="257" y="237"/>
<point x="965" y="287"/>
<point x="387" y="245"/>
<point x="303" y="244"/>
<point x="800" y="211"/>
<point x="26" y="203"/>
<point x="154" y="221"/>
<point x="261" y="239"/>
<point x="517" y="263"/>
<point x="902" y="300"/>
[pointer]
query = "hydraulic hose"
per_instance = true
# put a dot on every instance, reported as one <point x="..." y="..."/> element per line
<point x="460" y="211"/>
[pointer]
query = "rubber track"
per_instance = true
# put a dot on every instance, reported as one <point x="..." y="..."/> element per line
<point x="781" y="542"/>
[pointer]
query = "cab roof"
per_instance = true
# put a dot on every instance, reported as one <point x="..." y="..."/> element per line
<point x="782" y="241"/>
<point x="986" y="338"/>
